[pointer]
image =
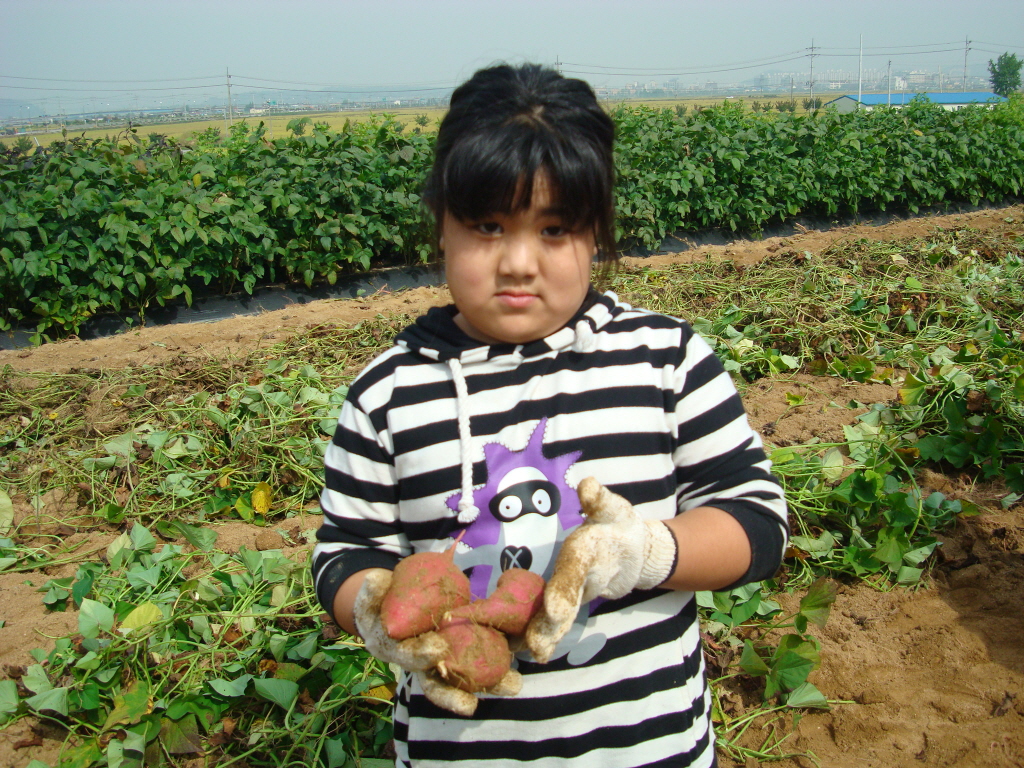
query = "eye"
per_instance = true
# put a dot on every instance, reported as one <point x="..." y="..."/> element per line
<point x="488" y="228"/>
<point x="510" y="506"/>
<point x="555" y="230"/>
<point x="541" y="501"/>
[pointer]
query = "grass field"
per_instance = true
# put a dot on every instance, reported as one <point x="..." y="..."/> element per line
<point x="277" y="124"/>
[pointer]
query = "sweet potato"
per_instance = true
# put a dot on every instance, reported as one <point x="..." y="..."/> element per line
<point x="479" y="657"/>
<point x="509" y="608"/>
<point x="424" y="587"/>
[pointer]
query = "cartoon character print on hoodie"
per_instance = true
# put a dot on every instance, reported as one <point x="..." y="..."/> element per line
<point x="527" y="508"/>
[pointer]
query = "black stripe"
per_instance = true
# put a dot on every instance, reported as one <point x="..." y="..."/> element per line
<point x="593" y="362"/>
<point x="352" y="442"/>
<point x="642" y="322"/>
<point x="427" y="435"/>
<point x="379" y="369"/>
<point x="713" y="419"/>
<point x="345" y="484"/>
<point x="418" y="394"/>
<point x="704" y="372"/>
<point x="607" y="737"/>
<point x="354" y="530"/>
<point x="741" y="460"/>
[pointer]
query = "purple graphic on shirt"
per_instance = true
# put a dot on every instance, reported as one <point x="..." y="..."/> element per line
<point x="526" y="510"/>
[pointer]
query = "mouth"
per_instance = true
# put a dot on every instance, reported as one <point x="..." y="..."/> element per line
<point x="516" y="300"/>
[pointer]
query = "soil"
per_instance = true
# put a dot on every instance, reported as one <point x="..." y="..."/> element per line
<point x="932" y="676"/>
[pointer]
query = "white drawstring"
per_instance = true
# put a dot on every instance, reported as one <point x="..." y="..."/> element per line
<point x="468" y="511"/>
<point x="585" y="340"/>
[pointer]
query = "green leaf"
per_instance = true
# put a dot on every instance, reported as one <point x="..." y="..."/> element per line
<point x="180" y="737"/>
<point x="280" y="692"/>
<point x="907" y="575"/>
<point x="201" y="538"/>
<point x="791" y="669"/>
<point x="8" y="699"/>
<point x="913" y="284"/>
<point x="122" y="445"/>
<point x="751" y="662"/>
<point x="231" y="688"/>
<point x="142" y="540"/>
<point x="93" y="617"/>
<point x="53" y="700"/>
<point x="336" y="753"/>
<point x="81" y="756"/>
<point x="35" y="679"/>
<point x="817" y="603"/>
<point x="806" y="695"/>
<point x="6" y="513"/>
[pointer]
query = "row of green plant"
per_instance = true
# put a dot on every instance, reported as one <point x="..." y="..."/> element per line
<point x="231" y="656"/>
<point x="90" y="226"/>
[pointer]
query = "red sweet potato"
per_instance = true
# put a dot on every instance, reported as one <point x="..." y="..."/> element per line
<point x="424" y="587"/>
<point x="516" y="597"/>
<point x="479" y="656"/>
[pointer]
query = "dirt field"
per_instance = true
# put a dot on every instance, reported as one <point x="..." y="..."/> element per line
<point x="932" y="676"/>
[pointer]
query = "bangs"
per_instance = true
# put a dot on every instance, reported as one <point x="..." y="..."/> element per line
<point x="493" y="172"/>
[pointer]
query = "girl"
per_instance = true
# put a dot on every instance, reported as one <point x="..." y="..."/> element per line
<point x="500" y="417"/>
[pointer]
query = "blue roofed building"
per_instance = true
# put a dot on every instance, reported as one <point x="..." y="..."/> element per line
<point x="869" y="101"/>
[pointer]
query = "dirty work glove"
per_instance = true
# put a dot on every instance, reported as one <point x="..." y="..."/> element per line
<point x="614" y="552"/>
<point x="415" y="654"/>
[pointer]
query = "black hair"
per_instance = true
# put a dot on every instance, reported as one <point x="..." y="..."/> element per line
<point x="507" y="123"/>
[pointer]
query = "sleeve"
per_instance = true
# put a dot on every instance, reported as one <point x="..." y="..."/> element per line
<point x="720" y="461"/>
<point x="361" y="527"/>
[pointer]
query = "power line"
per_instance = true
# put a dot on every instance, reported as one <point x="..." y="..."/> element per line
<point x="105" y="90"/>
<point x="655" y="70"/>
<point x="64" y="80"/>
<point x="702" y="71"/>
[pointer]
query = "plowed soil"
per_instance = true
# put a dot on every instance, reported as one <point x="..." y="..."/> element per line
<point x="930" y="677"/>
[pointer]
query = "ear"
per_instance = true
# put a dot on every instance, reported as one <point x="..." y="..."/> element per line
<point x="440" y="243"/>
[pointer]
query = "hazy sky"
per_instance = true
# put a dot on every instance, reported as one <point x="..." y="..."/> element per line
<point x="438" y="43"/>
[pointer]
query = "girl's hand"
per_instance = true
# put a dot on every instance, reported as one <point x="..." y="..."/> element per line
<point x="614" y="552"/>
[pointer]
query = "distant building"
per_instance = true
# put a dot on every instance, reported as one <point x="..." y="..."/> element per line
<point x="950" y="101"/>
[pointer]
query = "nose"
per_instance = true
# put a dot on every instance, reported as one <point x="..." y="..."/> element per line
<point x="520" y="257"/>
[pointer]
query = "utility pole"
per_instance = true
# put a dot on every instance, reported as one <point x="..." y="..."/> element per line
<point x="860" y="73"/>
<point x="888" y="84"/>
<point x="231" y="112"/>
<point x="558" y="66"/>
<point x="811" y="84"/>
<point x="967" y="47"/>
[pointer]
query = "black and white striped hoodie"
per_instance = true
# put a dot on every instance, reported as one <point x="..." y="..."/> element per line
<point x="443" y="434"/>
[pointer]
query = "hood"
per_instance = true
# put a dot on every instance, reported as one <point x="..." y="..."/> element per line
<point x="436" y="337"/>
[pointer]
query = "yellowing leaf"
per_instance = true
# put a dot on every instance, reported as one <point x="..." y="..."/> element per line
<point x="832" y="465"/>
<point x="130" y="706"/>
<point x="380" y="692"/>
<point x="261" y="496"/>
<point x="197" y="180"/>
<point x="142" y="616"/>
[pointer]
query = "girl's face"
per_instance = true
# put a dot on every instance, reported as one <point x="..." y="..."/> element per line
<point x="517" y="277"/>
